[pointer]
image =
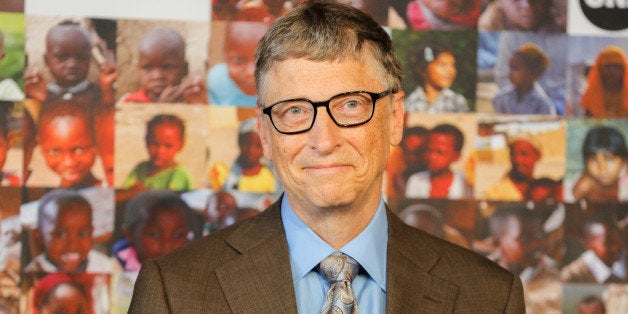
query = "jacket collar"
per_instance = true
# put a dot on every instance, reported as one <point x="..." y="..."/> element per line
<point x="260" y="277"/>
<point x="410" y="285"/>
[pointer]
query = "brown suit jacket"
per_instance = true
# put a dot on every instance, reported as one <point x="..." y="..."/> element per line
<point x="245" y="268"/>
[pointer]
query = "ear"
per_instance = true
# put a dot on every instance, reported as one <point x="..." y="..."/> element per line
<point x="397" y="117"/>
<point x="45" y="57"/>
<point x="264" y="134"/>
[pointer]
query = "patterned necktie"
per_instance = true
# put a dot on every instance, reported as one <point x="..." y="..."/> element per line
<point x="339" y="270"/>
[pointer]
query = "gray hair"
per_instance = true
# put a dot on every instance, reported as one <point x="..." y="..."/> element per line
<point x="326" y="31"/>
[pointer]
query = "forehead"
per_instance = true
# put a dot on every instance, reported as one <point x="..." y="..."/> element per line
<point x="165" y="128"/>
<point x="68" y="35"/>
<point x="320" y="80"/>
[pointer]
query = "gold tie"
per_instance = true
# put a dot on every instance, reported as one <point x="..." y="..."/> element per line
<point x="339" y="270"/>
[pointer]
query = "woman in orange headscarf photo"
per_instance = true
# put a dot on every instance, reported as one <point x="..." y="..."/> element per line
<point x="606" y="94"/>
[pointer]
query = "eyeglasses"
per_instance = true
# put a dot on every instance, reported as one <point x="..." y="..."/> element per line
<point x="348" y="109"/>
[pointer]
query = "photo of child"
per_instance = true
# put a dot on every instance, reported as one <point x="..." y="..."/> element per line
<point x="525" y="95"/>
<point x="165" y="137"/>
<point x="603" y="172"/>
<point x="67" y="57"/>
<point x="161" y="61"/>
<point x="444" y="147"/>
<point x="155" y="222"/>
<point x="163" y="71"/>
<point x="231" y="81"/>
<point x="251" y="173"/>
<point x="606" y="93"/>
<point x="65" y="231"/>
<point x="161" y="146"/>
<point x="67" y="142"/>
<point x="437" y="68"/>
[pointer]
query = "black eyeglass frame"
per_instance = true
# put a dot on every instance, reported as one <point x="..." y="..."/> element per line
<point x="315" y="104"/>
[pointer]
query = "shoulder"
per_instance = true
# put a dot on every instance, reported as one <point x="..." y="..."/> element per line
<point x="464" y="273"/>
<point x="450" y="260"/>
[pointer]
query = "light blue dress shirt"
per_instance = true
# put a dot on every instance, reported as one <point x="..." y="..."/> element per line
<point x="307" y="249"/>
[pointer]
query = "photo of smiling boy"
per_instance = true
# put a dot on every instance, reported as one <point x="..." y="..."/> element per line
<point x="65" y="231"/>
<point x="67" y="142"/>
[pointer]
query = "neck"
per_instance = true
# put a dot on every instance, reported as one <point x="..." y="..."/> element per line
<point x="337" y="225"/>
<point x="431" y="92"/>
<point x="523" y="90"/>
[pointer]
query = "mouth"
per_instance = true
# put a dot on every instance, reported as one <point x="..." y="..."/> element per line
<point x="71" y="258"/>
<point x="323" y="170"/>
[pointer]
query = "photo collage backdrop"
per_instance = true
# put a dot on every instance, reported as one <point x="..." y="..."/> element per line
<point x="128" y="130"/>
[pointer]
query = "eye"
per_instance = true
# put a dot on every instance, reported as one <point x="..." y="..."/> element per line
<point x="291" y="110"/>
<point x="59" y="234"/>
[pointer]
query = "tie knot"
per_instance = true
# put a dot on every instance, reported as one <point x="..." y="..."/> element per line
<point x="338" y="267"/>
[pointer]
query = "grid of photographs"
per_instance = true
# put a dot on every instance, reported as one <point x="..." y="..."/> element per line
<point x="124" y="138"/>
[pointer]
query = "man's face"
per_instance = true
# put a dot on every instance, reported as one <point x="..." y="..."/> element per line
<point x="605" y="168"/>
<point x="523" y="157"/>
<point x="524" y="15"/>
<point x="441" y="152"/>
<point x="330" y="166"/>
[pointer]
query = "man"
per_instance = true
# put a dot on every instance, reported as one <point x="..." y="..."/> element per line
<point x="331" y="161"/>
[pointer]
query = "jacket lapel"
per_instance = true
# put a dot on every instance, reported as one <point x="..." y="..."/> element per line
<point x="260" y="279"/>
<point x="410" y="287"/>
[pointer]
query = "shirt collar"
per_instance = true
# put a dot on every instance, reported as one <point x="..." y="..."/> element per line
<point x="307" y="249"/>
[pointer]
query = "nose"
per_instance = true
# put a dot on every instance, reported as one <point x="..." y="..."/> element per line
<point x="601" y="162"/>
<point x="324" y="135"/>
<point x="69" y="160"/>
